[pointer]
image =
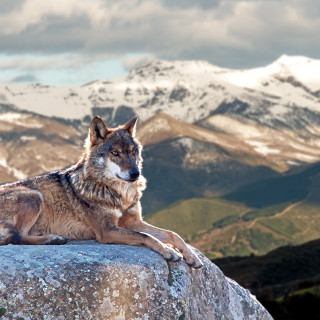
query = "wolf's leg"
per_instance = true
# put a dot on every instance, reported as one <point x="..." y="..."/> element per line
<point x="45" y="239"/>
<point x="8" y="235"/>
<point x="25" y="206"/>
<point x="20" y="209"/>
<point x="118" y="235"/>
<point x="167" y="237"/>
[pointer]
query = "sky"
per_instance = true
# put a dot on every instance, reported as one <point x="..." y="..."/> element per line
<point x="73" y="42"/>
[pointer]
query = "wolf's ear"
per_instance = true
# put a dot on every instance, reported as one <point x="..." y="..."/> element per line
<point x="130" y="126"/>
<point x="98" y="130"/>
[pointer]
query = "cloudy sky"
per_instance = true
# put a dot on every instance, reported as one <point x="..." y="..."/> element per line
<point x="73" y="42"/>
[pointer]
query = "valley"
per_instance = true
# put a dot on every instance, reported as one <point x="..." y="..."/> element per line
<point x="253" y="220"/>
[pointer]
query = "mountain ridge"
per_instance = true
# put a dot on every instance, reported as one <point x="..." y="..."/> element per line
<point x="186" y="90"/>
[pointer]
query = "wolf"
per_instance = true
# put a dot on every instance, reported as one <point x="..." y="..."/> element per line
<point x="97" y="198"/>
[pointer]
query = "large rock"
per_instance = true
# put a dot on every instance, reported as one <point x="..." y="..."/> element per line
<point x="94" y="281"/>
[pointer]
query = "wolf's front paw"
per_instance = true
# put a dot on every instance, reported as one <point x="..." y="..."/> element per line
<point x="172" y="255"/>
<point x="55" y="239"/>
<point x="197" y="264"/>
<point x="193" y="260"/>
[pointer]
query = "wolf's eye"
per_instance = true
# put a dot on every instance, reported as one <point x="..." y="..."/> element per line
<point x="134" y="152"/>
<point x="115" y="153"/>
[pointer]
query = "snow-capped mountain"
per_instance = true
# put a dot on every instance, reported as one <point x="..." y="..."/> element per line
<point x="186" y="90"/>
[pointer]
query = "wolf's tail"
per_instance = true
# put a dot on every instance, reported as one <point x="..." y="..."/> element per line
<point x="8" y="235"/>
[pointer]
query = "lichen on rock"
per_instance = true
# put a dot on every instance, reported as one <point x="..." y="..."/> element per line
<point x="94" y="281"/>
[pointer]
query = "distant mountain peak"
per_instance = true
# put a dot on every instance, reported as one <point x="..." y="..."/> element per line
<point x="293" y="60"/>
<point x="195" y="64"/>
<point x="163" y="67"/>
<point x="305" y="69"/>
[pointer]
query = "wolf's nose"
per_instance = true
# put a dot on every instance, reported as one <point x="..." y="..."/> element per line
<point x="134" y="174"/>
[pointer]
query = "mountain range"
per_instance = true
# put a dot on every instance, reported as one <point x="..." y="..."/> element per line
<point x="212" y="137"/>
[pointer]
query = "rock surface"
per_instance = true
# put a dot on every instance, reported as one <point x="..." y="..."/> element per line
<point x="93" y="281"/>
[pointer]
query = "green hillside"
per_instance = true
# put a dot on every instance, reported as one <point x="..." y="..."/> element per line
<point x="288" y="213"/>
<point x="194" y="217"/>
<point x="218" y="227"/>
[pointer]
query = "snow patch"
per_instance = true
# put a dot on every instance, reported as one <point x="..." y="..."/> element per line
<point x="262" y="148"/>
<point x="186" y="143"/>
<point x="279" y="109"/>
<point x="20" y="119"/>
<point x="11" y="117"/>
<point x="234" y="127"/>
<point x="305" y="157"/>
<point x="27" y="138"/>
<point x="11" y="170"/>
<point x="293" y="163"/>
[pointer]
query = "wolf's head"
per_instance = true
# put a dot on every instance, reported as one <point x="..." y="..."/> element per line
<point x="113" y="153"/>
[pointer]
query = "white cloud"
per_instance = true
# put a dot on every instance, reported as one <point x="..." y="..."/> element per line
<point x="37" y="12"/>
<point x="224" y="32"/>
<point x="126" y="25"/>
